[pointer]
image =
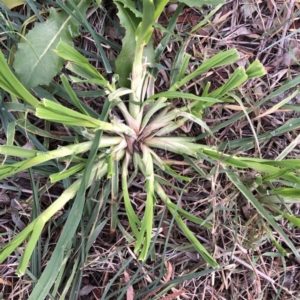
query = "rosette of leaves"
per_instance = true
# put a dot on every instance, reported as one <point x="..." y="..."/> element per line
<point x="114" y="143"/>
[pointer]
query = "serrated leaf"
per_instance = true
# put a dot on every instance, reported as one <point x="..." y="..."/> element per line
<point x="130" y="5"/>
<point x="124" y="61"/>
<point x="35" y="61"/>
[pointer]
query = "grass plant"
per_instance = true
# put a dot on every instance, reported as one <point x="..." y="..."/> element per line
<point x="105" y="153"/>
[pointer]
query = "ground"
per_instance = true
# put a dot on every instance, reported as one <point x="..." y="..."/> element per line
<point x="250" y="265"/>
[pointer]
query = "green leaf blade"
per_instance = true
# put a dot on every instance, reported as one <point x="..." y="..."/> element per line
<point x="261" y="210"/>
<point x="124" y="61"/>
<point x="41" y="63"/>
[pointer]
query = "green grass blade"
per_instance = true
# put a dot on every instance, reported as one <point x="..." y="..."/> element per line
<point x="288" y="85"/>
<point x="72" y="95"/>
<point x="114" y="178"/>
<point x="84" y="22"/>
<point x="10" y="83"/>
<point x="35" y="236"/>
<point x="188" y="96"/>
<point x="191" y="237"/>
<point x="132" y="217"/>
<point x="218" y="60"/>
<point x="44" y="133"/>
<point x="144" y="237"/>
<point x="67" y="173"/>
<point x="236" y="80"/>
<point x="261" y="210"/>
<point x="50" y="273"/>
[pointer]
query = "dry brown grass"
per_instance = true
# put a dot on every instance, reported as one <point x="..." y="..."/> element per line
<point x="251" y="266"/>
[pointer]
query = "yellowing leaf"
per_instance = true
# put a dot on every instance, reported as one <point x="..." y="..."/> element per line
<point x="12" y="3"/>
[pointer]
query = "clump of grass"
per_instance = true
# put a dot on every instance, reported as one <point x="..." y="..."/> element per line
<point x="107" y="146"/>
